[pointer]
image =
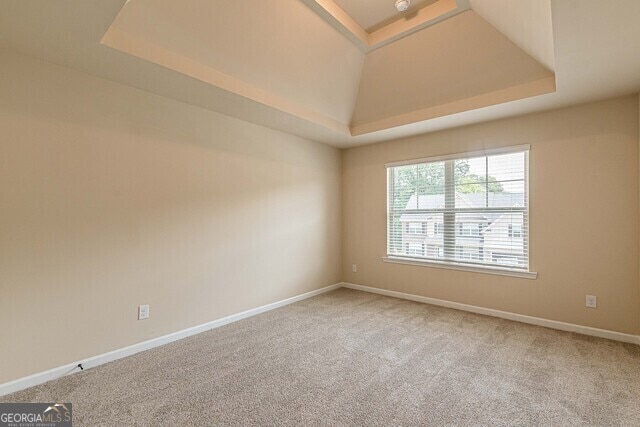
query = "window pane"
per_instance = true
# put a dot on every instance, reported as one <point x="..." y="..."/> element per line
<point x="413" y="187"/>
<point x="469" y="228"/>
<point x="505" y="241"/>
<point x="414" y="228"/>
<point x="507" y="167"/>
<point x="470" y="182"/>
<point x="513" y="197"/>
<point x="395" y="235"/>
<point x="403" y="186"/>
<point x="431" y="181"/>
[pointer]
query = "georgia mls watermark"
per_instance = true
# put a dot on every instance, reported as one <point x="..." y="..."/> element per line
<point x="35" y="415"/>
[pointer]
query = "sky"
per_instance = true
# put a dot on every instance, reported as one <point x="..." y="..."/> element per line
<point x="504" y="168"/>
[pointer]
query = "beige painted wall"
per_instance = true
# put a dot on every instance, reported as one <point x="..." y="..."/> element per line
<point x="584" y="185"/>
<point x="112" y="197"/>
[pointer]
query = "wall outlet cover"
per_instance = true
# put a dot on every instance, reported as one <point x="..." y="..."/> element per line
<point x="143" y="312"/>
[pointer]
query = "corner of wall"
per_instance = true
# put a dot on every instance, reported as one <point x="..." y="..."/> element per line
<point x="343" y="228"/>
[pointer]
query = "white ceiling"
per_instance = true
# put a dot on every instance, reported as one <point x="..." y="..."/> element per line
<point x="595" y="54"/>
<point x="369" y="13"/>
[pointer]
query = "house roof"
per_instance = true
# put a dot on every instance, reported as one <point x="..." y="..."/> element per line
<point x="463" y="200"/>
<point x="467" y="200"/>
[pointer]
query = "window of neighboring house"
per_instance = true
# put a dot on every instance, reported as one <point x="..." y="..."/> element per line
<point x="468" y="253"/>
<point x="479" y="195"/>
<point x="437" y="229"/>
<point x="515" y="230"/>
<point x="415" y="249"/>
<point x="505" y="259"/>
<point x="435" y="251"/>
<point x="468" y="229"/>
<point x="415" y="228"/>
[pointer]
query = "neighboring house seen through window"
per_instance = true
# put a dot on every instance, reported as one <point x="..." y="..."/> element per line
<point x="461" y="209"/>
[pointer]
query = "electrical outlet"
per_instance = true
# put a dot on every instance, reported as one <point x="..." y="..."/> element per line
<point x="143" y="312"/>
<point x="592" y="301"/>
<point x="354" y="268"/>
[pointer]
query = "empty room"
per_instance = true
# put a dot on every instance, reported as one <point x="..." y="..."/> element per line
<point x="319" y="213"/>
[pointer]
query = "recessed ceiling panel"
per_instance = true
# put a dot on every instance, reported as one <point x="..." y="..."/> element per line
<point x="371" y="14"/>
<point x="390" y="25"/>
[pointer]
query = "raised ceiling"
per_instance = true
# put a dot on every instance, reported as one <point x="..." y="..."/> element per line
<point x="290" y="66"/>
<point x="449" y="66"/>
<point x="245" y="46"/>
<point x="396" y="26"/>
<point x="373" y="14"/>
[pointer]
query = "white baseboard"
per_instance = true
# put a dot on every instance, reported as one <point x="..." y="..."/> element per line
<point x="553" y="324"/>
<point x="91" y="362"/>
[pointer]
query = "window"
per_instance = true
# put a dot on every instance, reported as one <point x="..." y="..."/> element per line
<point x="467" y="252"/>
<point x="468" y="229"/>
<point x="476" y="204"/>
<point x="505" y="259"/>
<point x="437" y="229"/>
<point x="415" y="228"/>
<point x="515" y="230"/>
<point x="434" y="251"/>
<point x="415" y="249"/>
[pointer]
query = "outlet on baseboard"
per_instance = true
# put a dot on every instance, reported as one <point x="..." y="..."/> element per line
<point x="592" y="301"/>
<point x="354" y="268"/>
<point x="143" y="312"/>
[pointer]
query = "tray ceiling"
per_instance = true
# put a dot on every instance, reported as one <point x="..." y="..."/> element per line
<point x="305" y="68"/>
<point x="291" y="66"/>
<point x="372" y="14"/>
<point x="397" y="25"/>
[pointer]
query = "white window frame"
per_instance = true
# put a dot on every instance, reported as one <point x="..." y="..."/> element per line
<point x="456" y="265"/>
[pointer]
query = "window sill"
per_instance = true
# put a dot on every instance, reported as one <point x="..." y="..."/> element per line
<point x="462" y="267"/>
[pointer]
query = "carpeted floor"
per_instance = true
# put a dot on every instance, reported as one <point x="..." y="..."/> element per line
<point x="354" y="358"/>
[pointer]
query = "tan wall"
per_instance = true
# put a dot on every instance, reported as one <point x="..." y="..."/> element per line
<point x="584" y="185"/>
<point x="112" y="197"/>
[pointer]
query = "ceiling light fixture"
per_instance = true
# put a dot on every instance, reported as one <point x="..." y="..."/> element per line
<point x="402" y="5"/>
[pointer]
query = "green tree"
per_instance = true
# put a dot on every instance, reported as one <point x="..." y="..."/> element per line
<point x="474" y="184"/>
<point x="428" y="179"/>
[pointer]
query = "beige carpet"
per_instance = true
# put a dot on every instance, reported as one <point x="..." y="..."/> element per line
<point x="353" y="358"/>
